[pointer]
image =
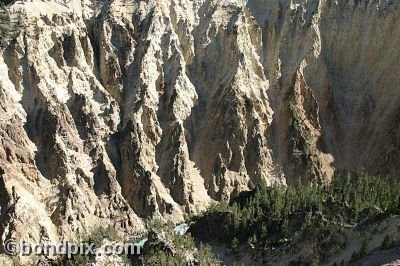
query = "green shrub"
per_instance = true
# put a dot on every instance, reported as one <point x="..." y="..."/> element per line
<point x="75" y="260"/>
<point x="183" y="244"/>
<point x="387" y="243"/>
<point x="357" y="255"/>
<point x="96" y="237"/>
<point x="100" y="233"/>
<point x="205" y="255"/>
<point x="234" y="244"/>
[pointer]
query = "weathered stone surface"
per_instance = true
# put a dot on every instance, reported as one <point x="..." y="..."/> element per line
<point x="111" y="111"/>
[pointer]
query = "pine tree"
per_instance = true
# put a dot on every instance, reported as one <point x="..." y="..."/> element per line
<point x="285" y="227"/>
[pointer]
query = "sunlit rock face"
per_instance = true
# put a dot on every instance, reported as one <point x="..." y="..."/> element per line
<point x="114" y="111"/>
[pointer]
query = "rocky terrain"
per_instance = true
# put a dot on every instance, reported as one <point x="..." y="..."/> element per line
<point x="116" y="111"/>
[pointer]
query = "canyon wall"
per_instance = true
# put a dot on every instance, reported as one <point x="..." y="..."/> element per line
<point x="115" y="111"/>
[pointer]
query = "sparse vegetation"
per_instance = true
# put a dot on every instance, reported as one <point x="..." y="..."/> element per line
<point x="96" y="237"/>
<point x="76" y="260"/>
<point x="177" y="249"/>
<point x="387" y="243"/>
<point x="205" y="255"/>
<point x="99" y="234"/>
<point x="357" y="255"/>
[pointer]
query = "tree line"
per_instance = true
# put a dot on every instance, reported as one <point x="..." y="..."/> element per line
<point x="271" y="216"/>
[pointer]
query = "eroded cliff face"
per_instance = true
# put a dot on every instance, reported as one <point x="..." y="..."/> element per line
<point x="112" y="111"/>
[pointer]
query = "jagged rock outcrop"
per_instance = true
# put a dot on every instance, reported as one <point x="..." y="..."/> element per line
<point x="116" y="110"/>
